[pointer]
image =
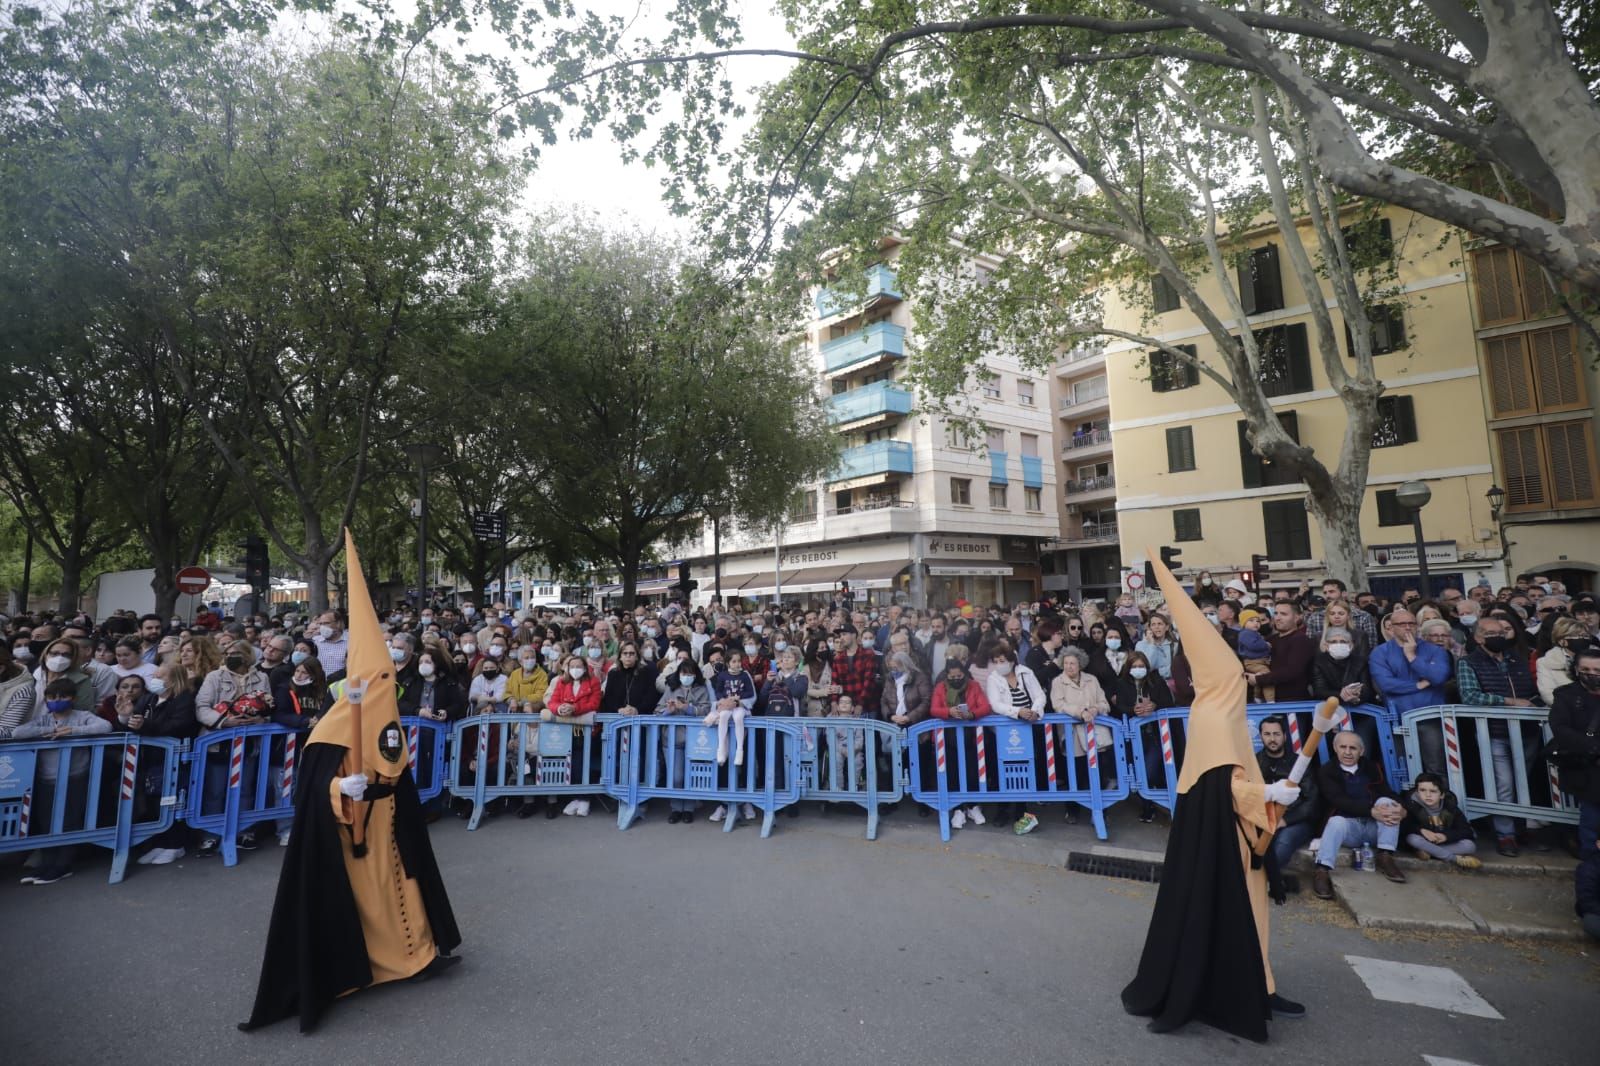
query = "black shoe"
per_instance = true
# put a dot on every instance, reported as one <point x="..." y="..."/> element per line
<point x="527" y="810"/>
<point x="552" y="811"/>
<point x="1285" y="1008"/>
<point x="675" y="817"/>
<point x="208" y="847"/>
<point x="688" y="816"/>
<point x="1147" y="813"/>
<point x="439" y="965"/>
<point x="246" y="842"/>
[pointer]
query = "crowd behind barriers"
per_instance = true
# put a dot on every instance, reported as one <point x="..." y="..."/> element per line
<point x="1528" y="645"/>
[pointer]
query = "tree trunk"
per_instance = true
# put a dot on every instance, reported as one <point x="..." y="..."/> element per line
<point x="629" y="558"/>
<point x="71" y="582"/>
<point x="1338" y="517"/>
<point x="165" y="587"/>
<point x="317" y="556"/>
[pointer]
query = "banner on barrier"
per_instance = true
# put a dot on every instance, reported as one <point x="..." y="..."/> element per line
<point x="16" y="774"/>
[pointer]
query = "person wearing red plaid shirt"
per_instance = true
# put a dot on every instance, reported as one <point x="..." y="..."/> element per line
<point x="856" y="670"/>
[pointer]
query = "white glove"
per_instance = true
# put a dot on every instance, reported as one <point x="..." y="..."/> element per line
<point x="1282" y="793"/>
<point x="355" y="689"/>
<point x="354" y="786"/>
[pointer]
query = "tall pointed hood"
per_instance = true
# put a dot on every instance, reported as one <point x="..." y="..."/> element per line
<point x="381" y="747"/>
<point x="1219" y="731"/>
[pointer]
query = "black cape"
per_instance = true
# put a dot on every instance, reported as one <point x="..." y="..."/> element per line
<point x="1202" y="958"/>
<point x="315" y="948"/>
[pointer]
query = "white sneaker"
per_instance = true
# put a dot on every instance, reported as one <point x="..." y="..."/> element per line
<point x="583" y="809"/>
<point x="748" y="812"/>
<point x="150" y="856"/>
<point x="283" y="840"/>
<point x="570" y="808"/>
<point x="958" y="819"/>
<point x="719" y="814"/>
<point x="975" y="812"/>
<point x="166" y="855"/>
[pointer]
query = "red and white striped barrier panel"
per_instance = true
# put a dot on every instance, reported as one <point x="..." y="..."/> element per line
<point x="983" y="758"/>
<point x="289" y="745"/>
<point x="236" y="762"/>
<point x="938" y="749"/>
<point x="1050" y="754"/>
<point x="22" y="815"/>
<point x="130" y="764"/>
<point x="1091" y="748"/>
<point x="1166" y="747"/>
<point x="1294" y="732"/>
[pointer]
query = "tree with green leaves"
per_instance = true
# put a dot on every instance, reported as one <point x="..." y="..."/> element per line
<point x="662" y="396"/>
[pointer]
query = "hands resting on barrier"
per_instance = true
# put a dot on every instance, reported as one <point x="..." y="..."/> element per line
<point x="354" y="786"/>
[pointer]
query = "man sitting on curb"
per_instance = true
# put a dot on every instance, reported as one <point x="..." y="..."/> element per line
<point x="1364" y="809"/>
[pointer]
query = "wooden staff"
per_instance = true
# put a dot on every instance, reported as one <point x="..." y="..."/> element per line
<point x="358" y="824"/>
<point x="1324" y="721"/>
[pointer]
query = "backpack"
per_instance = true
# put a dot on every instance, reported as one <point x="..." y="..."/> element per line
<point x="780" y="701"/>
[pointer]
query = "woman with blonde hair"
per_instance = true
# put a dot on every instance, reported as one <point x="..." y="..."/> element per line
<point x="1567" y="637"/>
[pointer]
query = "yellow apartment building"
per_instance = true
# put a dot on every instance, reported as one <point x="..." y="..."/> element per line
<point x="1185" y="475"/>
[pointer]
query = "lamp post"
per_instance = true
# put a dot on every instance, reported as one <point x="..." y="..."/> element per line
<point x="424" y="456"/>
<point x="1414" y="496"/>
<point x="1497" y="502"/>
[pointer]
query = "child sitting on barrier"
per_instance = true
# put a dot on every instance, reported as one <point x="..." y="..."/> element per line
<point x="735" y="693"/>
<point x="1435" y="827"/>
<point x="1254" y="651"/>
<point x="59" y="722"/>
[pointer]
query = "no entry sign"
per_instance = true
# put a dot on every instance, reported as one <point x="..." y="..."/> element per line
<point x="193" y="580"/>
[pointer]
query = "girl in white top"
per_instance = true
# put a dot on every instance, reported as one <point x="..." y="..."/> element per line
<point x="488" y="691"/>
<point x="1015" y="692"/>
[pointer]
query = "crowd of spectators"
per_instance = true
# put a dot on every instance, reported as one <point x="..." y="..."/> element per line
<point x="1529" y="645"/>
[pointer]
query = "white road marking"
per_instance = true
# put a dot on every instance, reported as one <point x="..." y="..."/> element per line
<point x="1425" y="986"/>
<point x="1435" y="1060"/>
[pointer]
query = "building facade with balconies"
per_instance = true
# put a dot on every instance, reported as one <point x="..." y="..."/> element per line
<point x="915" y="512"/>
<point x="1084" y="562"/>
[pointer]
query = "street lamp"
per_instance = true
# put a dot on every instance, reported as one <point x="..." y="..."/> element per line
<point x="1497" y="502"/>
<point x="1414" y="496"/>
<point x="424" y="456"/>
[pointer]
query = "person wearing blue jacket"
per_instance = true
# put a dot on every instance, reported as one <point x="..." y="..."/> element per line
<point x="1411" y="673"/>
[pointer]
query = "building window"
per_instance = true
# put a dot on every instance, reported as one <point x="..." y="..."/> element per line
<point x="1168" y="373"/>
<point x="1186" y="524"/>
<point x="1285" y="359"/>
<point x="961" y="491"/>
<point x="1390" y="513"/>
<point x="1538" y="372"/>
<point x="1091" y="389"/>
<point x="957" y="437"/>
<point x="991" y="388"/>
<point x="1388" y="332"/>
<point x="1025" y="391"/>
<point x="1288" y="533"/>
<point x="997" y="496"/>
<point x="1033" y="499"/>
<point x="1180" y="449"/>
<point x="1030" y="445"/>
<point x="1510" y="288"/>
<point x="995" y="440"/>
<point x="1258" y="472"/>
<point x="1397" y="422"/>
<point x="1368" y="243"/>
<point x="1261" y="281"/>
<point x="1164" y="296"/>
<point x="803" y="506"/>
<point x="1550" y="466"/>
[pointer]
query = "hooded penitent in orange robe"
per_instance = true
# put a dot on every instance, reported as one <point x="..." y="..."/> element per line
<point x="360" y="901"/>
<point x="1205" y="956"/>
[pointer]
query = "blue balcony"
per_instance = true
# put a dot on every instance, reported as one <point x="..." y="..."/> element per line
<point x="870" y="401"/>
<point x="879" y="457"/>
<point x="881" y="283"/>
<point x="1032" y="472"/>
<point x="879" y="340"/>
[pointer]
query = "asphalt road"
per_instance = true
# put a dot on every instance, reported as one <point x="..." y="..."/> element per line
<point x="679" y="944"/>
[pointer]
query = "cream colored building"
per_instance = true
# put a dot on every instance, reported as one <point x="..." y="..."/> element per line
<point x="916" y="512"/>
<point x="1084" y="562"/>
<point x="1185" y="476"/>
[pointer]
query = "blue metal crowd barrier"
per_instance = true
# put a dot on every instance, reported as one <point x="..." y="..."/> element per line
<point x="253" y="776"/>
<point x="839" y="763"/>
<point x="1156" y="740"/>
<point x="534" y="758"/>
<point x="645" y="755"/>
<point x="1012" y="761"/>
<point x="21" y="778"/>
<point x="1494" y="761"/>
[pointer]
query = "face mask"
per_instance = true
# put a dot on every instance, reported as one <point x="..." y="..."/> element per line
<point x="780" y="644"/>
<point x="299" y="657"/>
<point x="156" y="686"/>
<point x="397" y="654"/>
<point x="1138" y="673"/>
<point x="830" y="645"/>
<point x="302" y="682"/>
<point x="652" y="632"/>
<point x="686" y="680"/>
<point x="1496" y="644"/>
<point x="1468" y="619"/>
<point x="552" y="652"/>
<point x="649" y="650"/>
<point x="57" y="664"/>
<point x="234" y="662"/>
<point x="327" y="632"/>
<point x="425" y="668"/>
<point x="497" y="652"/>
<point x="1003" y="668"/>
<point x="469" y="647"/>
<point x="527" y="661"/>
<point x="22" y="655"/>
<point x="1590" y="681"/>
<point x="491" y="674"/>
<point x="751" y="649"/>
<point x="758" y="628"/>
<point x="898" y="675"/>
<point x="1113" y="643"/>
<point x="427" y="619"/>
<point x="58" y="706"/>
<point x="1206" y="581"/>
<point x="1211" y="618"/>
<point x="468" y="612"/>
<point x="1339" y="651"/>
<point x="576" y="672"/>
<point x="594" y="653"/>
<point x="1532" y="628"/>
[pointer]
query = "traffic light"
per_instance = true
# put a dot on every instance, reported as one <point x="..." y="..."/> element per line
<point x="685" y="584"/>
<point x="1259" y="567"/>
<point x="257" y="567"/>
<point x="1169" y="558"/>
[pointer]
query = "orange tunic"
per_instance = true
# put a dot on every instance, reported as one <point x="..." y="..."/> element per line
<point x="394" y="921"/>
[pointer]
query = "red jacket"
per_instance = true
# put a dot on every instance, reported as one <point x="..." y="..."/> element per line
<point x="976" y="701"/>
<point x="584" y="695"/>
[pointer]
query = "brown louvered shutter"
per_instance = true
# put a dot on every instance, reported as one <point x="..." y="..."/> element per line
<point x="1496" y="271"/>
<point x="1572" y="470"/>
<point x="1510" y="390"/>
<point x="1519" y="458"/>
<point x="1537" y="295"/>
<point x="1555" y="369"/>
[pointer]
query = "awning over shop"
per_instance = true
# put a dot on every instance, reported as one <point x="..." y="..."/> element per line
<point x="656" y="584"/>
<point x="805" y="579"/>
<point x="965" y="568"/>
<point x="879" y="575"/>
